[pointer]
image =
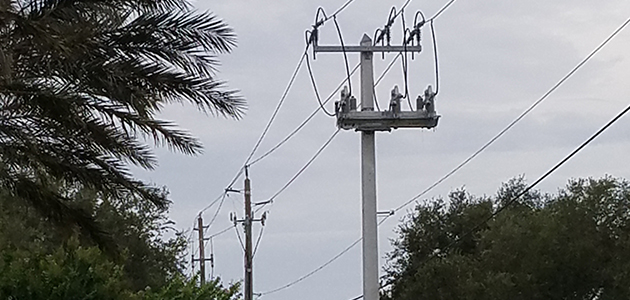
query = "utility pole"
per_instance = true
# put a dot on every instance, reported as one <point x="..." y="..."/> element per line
<point x="202" y="252"/>
<point x="248" y="288"/>
<point x="368" y="121"/>
<point x="249" y="285"/>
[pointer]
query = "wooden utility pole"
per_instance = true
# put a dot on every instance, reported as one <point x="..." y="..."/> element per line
<point x="249" y="286"/>
<point x="202" y="252"/>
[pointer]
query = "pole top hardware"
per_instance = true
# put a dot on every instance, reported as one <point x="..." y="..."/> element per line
<point x="348" y="117"/>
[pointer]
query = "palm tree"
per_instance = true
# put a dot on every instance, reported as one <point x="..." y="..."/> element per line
<point x="81" y="82"/>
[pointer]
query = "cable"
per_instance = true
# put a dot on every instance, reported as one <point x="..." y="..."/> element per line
<point x="211" y="204"/>
<point x="214" y="217"/>
<point x="310" y="117"/>
<point x="339" y="10"/>
<point x="258" y="240"/>
<point x="222" y="231"/>
<point x="435" y="57"/>
<point x="275" y="112"/>
<point x="305" y="121"/>
<point x="519" y="118"/>
<point x="405" y="61"/>
<point x="391" y="64"/>
<point x="442" y="10"/>
<point x="310" y="161"/>
<point x="535" y="183"/>
<point x="216" y="213"/>
<point x="319" y="100"/>
<point x="288" y="285"/>
<point x="239" y="237"/>
<point x="283" y="97"/>
<point x="345" y="55"/>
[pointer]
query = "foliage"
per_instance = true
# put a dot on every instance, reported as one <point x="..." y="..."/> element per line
<point x="40" y="262"/>
<point x="73" y="273"/>
<point x="81" y="83"/>
<point x="573" y="245"/>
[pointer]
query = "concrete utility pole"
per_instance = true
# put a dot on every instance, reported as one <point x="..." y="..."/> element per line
<point x="368" y="121"/>
<point x="368" y="178"/>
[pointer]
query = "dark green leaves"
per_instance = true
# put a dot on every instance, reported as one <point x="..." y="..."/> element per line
<point x="81" y="83"/>
<point x="575" y="245"/>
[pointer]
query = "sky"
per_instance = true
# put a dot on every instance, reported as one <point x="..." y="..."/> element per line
<point x="496" y="58"/>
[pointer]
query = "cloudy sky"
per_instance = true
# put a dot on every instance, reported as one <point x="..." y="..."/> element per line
<point x="496" y="59"/>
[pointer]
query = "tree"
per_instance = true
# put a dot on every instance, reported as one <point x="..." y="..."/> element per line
<point x="573" y="245"/>
<point x="39" y="262"/>
<point x="81" y="82"/>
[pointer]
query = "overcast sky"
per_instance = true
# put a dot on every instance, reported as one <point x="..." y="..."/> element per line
<point x="496" y="58"/>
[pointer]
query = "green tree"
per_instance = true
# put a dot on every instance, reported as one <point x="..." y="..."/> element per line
<point x="573" y="245"/>
<point x="81" y="83"/>
<point x="40" y="262"/>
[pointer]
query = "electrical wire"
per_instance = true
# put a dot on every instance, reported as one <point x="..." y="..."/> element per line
<point x="211" y="204"/>
<point x="280" y="102"/>
<point x="277" y="109"/>
<point x="222" y="231"/>
<point x="288" y="285"/>
<point x="310" y="117"/>
<point x="529" y="188"/>
<point x="435" y="57"/>
<point x="544" y="176"/>
<point x="345" y="55"/>
<point x="319" y="99"/>
<point x="442" y="10"/>
<point x="239" y="237"/>
<point x="391" y="64"/>
<point x="279" y="105"/>
<point x="405" y="61"/>
<point x="216" y="213"/>
<point x="310" y="161"/>
<point x="519" y="118"/>
<point x="339" y="10"/>
<point x="214" y="217"/>
<point x="260" y="233"/>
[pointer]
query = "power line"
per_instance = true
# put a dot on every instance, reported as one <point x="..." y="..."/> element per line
<point x="211" y="203"/>
<point x="339" y="10"/>
<point x="222" y="231"/>
<point x="275" y="113"/>
<point x="529" y="188"/>
<point x="310" y="117"/>
<point x="544" y="176"/>
<point x="442" y="10"/>
<point x="310" y="161"/>
<point x="288" y="285"/>
<point x="519" y="118"/>
<point x="319" y="100"/>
